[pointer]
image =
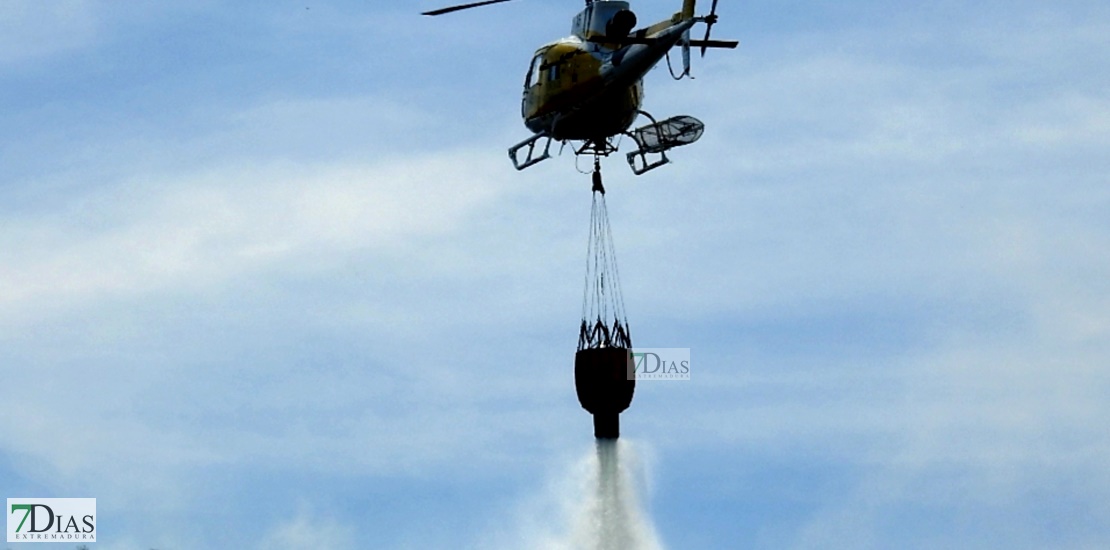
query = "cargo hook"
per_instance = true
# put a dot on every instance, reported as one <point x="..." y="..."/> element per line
<point x="597" y="177"/>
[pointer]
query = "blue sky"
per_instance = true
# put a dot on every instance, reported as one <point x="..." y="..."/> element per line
<point x="268" y="279"/>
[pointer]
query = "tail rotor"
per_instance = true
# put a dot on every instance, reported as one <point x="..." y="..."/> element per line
<point x="709" y="21"/>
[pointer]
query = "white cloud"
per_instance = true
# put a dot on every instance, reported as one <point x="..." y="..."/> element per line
<point x="114" y="280"/>
<point x="309" y="532"/>
<point x="205" y="228"/>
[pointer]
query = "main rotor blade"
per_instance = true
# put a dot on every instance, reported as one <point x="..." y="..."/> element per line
<point x="450" y="9"/>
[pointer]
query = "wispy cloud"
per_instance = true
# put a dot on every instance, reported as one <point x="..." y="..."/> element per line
<point x="200" y="229"/>
<point x="887" y="253"/>
<point x="30" y="31"/>
<point x="308" y="531"/>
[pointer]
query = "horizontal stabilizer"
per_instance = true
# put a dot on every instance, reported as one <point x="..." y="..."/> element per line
<point x="730" y="44"/>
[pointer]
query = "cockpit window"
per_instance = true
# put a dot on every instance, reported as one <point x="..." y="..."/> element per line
<point x="534" y="71"/>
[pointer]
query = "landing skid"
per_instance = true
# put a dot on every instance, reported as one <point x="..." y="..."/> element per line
<point x="652" y="142"/>
<point x="532" y="157"/>
<point x="640" y="164"/>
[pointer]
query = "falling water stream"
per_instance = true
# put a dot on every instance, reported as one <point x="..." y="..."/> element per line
<point x="590" y="503"/>
<point x="610" y="515"/>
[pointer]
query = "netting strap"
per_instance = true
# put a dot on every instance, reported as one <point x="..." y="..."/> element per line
<point x="601" y="296"/>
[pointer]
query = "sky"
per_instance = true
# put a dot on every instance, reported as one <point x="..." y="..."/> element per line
<point x="268" y="279"/>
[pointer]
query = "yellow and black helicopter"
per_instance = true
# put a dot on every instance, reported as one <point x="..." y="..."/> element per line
<point x="588" y="87"/>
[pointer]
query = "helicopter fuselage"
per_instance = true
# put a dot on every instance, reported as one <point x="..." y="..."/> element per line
<point x="589" y="86"/>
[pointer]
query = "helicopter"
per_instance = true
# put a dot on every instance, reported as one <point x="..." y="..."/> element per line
<point x="588" y="87"/>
